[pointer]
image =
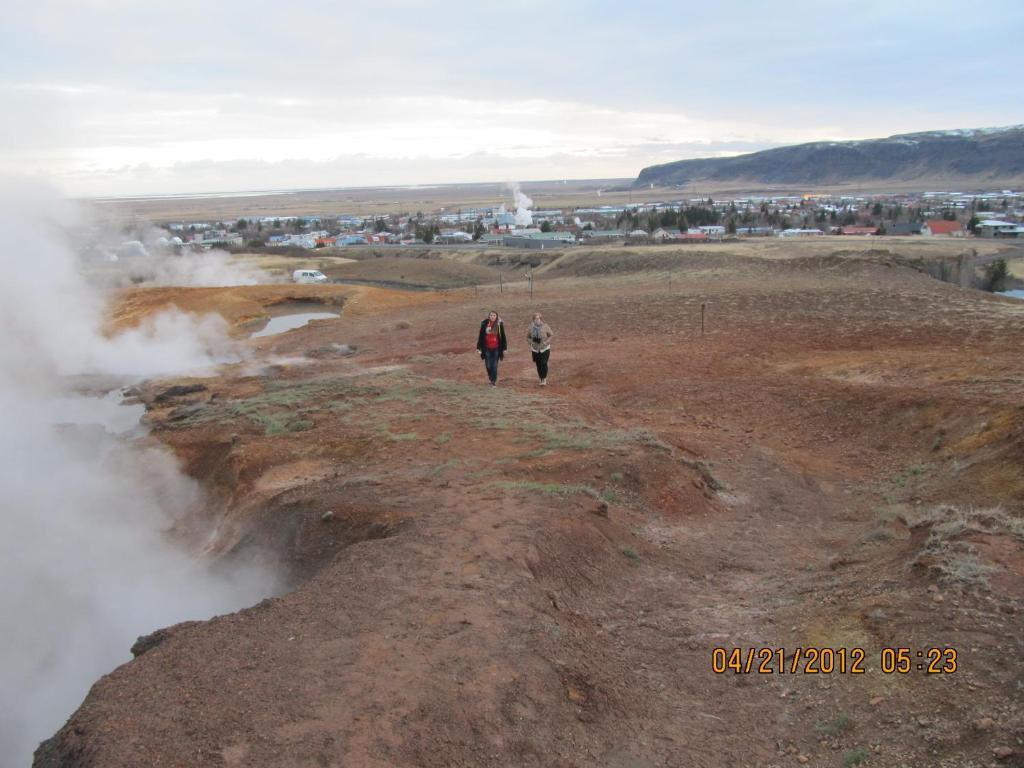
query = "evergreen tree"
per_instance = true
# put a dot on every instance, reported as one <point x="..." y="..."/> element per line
<point x="995" y="275"/>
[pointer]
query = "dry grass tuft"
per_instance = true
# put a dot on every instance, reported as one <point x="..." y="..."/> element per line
<point x="947" y="551"/>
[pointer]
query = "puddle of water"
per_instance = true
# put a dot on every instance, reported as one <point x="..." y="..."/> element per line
<point x="290" y="322"/>
<point x="1013" y="294"/>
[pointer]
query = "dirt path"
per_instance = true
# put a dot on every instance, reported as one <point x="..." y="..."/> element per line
<point x="539" y="577"/>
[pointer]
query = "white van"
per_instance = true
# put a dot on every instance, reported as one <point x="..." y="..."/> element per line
<point x="308" y="276"/>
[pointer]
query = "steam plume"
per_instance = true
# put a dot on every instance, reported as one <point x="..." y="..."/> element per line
<point x="522" y="205"/>
<point x="85" y="563"/>
<point x="157" y="264"/>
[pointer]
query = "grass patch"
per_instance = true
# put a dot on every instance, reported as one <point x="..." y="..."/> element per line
<point x="534" y="417"/>
<point x="354" y="480"/>
<point x="552" y="489"/>
<point x="630" y="554"/>
<point x="555" y="436"/>
<point x="395" y="396"/>
<point x="578" y="436"/>
<point x="535" y="454"/>
<point x="280" y="407"/>
<point x="451" y="463"/>
<point x="284" y="425"/>
<point x="541" y="424"/>
<point x="400" y="437"/>
<point x="491" y="423"/>
<point x="704" y="469"/>
<point x="837" y="726"/>
<point x="901" y="479"/>
<point x="273" y="422"/>
<point x="947" y="553"/>
<point x="948" y="521"/>
<point x="855" y="757"/>
<point x="878" y="534"/>
<point x="611" y="496"/>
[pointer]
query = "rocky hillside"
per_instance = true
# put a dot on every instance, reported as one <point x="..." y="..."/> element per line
<point x="971" y="155"/>
<point x="540" y="577"/>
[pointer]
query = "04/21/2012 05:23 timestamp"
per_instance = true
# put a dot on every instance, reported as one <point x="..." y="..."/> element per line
<point x="826" y="661"/>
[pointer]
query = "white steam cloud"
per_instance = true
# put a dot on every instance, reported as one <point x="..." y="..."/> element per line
<point x="522" y="204"/>
<point x="160" y="265"/>
<point x="85" y="560"/>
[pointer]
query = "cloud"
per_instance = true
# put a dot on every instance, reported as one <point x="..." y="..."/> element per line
<point x="152" y="143"/>
<point x="108" y="84"/>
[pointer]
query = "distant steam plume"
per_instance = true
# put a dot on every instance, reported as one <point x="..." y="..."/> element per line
<point x="522" y="205"/>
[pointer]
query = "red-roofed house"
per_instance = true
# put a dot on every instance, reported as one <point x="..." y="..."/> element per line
<point x="937" y="227"/>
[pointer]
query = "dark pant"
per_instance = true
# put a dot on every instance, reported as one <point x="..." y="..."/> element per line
<point x="541" y="360"/>
<point x="491" y="361"/>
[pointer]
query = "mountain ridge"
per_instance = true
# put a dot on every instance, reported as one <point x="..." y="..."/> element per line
<point x="975" y="155"/>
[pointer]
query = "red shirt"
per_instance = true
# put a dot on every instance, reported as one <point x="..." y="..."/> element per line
<point x="491" y="339"/>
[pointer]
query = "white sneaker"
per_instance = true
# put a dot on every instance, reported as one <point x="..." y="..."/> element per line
<point x="543" y="382"/>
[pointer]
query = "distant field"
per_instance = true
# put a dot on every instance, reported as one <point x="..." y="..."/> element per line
<point x="370" y="201"/>
<point x="377" y="200"/>
<point x="463" y="267"/>
<point x="433" y="273"/>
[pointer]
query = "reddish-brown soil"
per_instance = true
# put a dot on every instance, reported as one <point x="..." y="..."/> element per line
<point x="527" y="576"/>
<point x="245" y="306"/>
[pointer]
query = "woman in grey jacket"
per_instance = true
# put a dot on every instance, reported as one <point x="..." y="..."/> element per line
<point x="539" y="335"/>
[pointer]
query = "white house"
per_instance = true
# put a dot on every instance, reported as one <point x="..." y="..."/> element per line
<point x="715" y="232"/>
<point x="994" y="228"/>
<point x="795" y="232"/>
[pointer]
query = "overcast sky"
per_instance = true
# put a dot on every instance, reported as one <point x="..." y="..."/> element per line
<point x="134" y="96"/>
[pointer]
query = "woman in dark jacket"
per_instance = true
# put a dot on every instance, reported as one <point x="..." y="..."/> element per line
<point x="491" y="344"/>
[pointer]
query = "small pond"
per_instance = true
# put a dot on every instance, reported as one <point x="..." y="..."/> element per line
<point x="291" y="321"/>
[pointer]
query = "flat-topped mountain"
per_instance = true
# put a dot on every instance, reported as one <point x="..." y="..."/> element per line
<point x="979" y="156"/>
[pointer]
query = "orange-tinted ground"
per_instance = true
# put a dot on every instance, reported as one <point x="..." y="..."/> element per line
<point x="539" y="577"/>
